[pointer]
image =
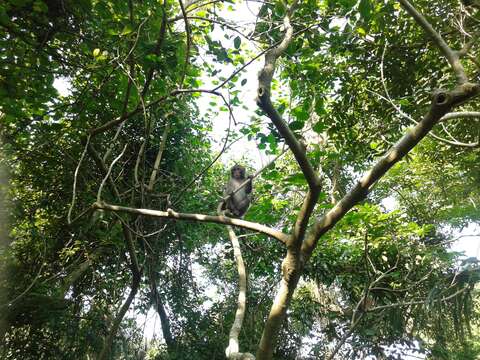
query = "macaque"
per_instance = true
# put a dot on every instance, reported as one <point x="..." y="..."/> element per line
<point x="238" y="203"/>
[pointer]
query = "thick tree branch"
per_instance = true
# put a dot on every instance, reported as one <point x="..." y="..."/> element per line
<point x="107" y="346"/>
<point x="303" y="217"/>
<point x="170" y="214"/>
<point x="442" y="103"/>
<point x="264" y="102"/>
<point x="232" y="351"/>
<point x="293" y="263"/>
<point x="291" y="271"/>
<point x="451" y="55"/>
<point x="164" y="320"/>
<point x="134" y="265"/>
<point x="461" y="115"/>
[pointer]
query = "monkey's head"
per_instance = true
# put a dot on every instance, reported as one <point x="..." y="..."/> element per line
<point x="238" y="172"/>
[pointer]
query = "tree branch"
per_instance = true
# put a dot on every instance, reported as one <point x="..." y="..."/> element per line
<point x="442" y="103"/>
<point x="107" y="346"/>
<point x="461" y="115"/>
<point x="451" y="55"/>
<point x="264" y="102"/>
<point x="232" y="351"/>
<point x="189" y="43"/>
<point x="170" y="214"/>
<point x="156" y="165"/>
<point x="419" y="302"/>
<point x="156" y="51"/>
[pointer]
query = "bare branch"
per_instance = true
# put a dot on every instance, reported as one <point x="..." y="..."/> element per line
<point x="419" y="302"/>
<point x="455" y="143"/>
<point x="466" y="48"/>
<point x="221" y="23"/>
<point x="99" y="193"/>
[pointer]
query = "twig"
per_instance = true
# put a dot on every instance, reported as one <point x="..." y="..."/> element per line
<point x="100" y="189"/>
<point x="69" y="215"/>
<point x="419" y="302"/>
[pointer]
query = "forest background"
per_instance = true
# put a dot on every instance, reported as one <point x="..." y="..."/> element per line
<point x="364" y="116"/>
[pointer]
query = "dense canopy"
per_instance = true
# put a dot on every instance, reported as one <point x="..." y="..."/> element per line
<point x="358" y="122"/>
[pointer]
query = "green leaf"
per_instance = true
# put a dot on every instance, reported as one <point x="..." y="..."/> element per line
<point x="237" y="42"/>
<point x="40" y="6"/>
<point x="319" y="127"/>
<point x="280" y="8"/>
<point x="152" y="58"/>
<point x="296" y="125"/>
<point x="96" y="52"/>
<point x="300" y="113"/>
<point x="365" y="8"/>
<point x="361" y="31"/>
<point x="126" y="30"/>
<point x="296" y="179"/>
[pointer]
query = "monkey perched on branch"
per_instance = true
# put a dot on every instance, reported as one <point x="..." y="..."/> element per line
<point x="238" y="198"/>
